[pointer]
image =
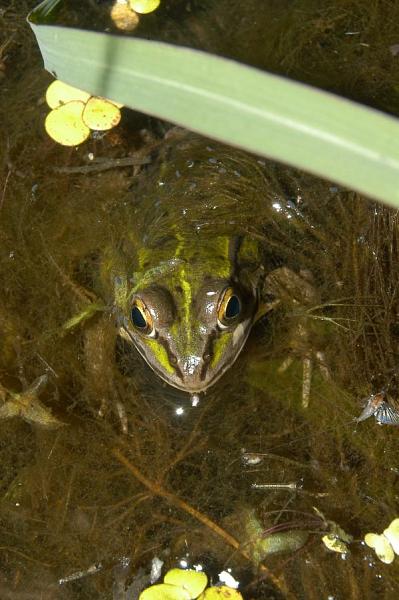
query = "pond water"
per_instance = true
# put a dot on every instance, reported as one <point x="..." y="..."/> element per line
<point x="271" y="457"/>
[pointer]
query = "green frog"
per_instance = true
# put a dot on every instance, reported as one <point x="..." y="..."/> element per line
<point x="187" y="279"/>
<point x="190" y="276"/>
<point x="186" y="271"/>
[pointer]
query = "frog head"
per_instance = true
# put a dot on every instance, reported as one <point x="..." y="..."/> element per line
<point x="189" y="322"/>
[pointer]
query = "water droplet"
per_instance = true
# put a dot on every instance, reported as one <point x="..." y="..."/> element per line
<point x="195" y="399"/>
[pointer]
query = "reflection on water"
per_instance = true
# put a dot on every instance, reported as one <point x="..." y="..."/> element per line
<point x="83" y="504"/>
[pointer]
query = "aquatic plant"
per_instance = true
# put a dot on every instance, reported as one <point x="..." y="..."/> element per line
<point x="75" y="520"/>
<point x="385" y="545"/>
<point x="74" y="113"/>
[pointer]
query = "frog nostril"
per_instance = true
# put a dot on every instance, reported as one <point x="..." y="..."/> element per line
<point x="173" y="360"/>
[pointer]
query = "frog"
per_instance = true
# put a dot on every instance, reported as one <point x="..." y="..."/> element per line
<point x="189" y="276"/>
<point x="184" y="282"/>
<point x="185" y="274"/>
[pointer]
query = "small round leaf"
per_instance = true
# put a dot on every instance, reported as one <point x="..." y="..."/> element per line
<point x="100" y="114"/>
<point x="164" y="591"/>
<point x="193" y="581"/>
<point x="392" y="534"/>
<point x="65" y="125"/>
<point x="144" y="6"/>
<point x="334" y="543"/>
<point x="59" y="93"/>
<point x="124" y="17"/>
<point x="381" y="546"/>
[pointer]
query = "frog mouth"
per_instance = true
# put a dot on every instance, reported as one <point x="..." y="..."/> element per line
<point x="178" y="380"/>
<point x="194" y="387"/>
<point x="193" y="376"/>
<point x="200" y="380"/>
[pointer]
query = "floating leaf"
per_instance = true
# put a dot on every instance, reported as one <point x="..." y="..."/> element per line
<point x="164" y="591"/>
<point x="59" y="93"/>
<point x="381" y="546"/>
<point x="100" y="114"/>
<point x="193" y="581"/>
<point x="392" y="534"/>
<point x="221" y="593"/>
<point x="385" y="545"/>
<point x="334" y="543"/>
<point x="65" y="125"/>
<point x="124" y="17"/>
<point x="144" y="6"/>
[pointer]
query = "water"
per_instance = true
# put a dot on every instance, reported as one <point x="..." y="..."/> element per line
<point x="89" y="507"/>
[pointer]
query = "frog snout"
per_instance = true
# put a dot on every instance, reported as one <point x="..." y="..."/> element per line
<point x="192" y="370"/>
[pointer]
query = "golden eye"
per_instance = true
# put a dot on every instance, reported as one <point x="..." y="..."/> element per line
<point x="141" y="317"/>
<point x="229" y="308"/>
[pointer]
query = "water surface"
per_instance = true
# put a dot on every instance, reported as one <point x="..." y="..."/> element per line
<point x="84" y="496"/>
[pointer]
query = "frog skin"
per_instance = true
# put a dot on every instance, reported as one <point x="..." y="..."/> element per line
<point x="187" y="278"/>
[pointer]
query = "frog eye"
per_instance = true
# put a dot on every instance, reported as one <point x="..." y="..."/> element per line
<point x="141" y="318"/>
<point x="229" y="308"/>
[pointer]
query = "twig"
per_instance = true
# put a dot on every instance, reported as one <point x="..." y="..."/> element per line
<point x="67" y="500"/>
<point x="83" y="294"/>
<point x="110" y="163"/>
<point x="3" y="195"/>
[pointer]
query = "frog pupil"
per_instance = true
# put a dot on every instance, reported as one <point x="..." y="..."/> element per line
<point x="138" y="318"/>
<point x="232" y="307"/>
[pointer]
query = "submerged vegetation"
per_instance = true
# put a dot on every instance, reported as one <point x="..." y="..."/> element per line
<point x="232" y="483"/>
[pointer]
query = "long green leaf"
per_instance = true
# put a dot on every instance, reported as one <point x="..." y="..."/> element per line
<point x="266" y="114"/>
